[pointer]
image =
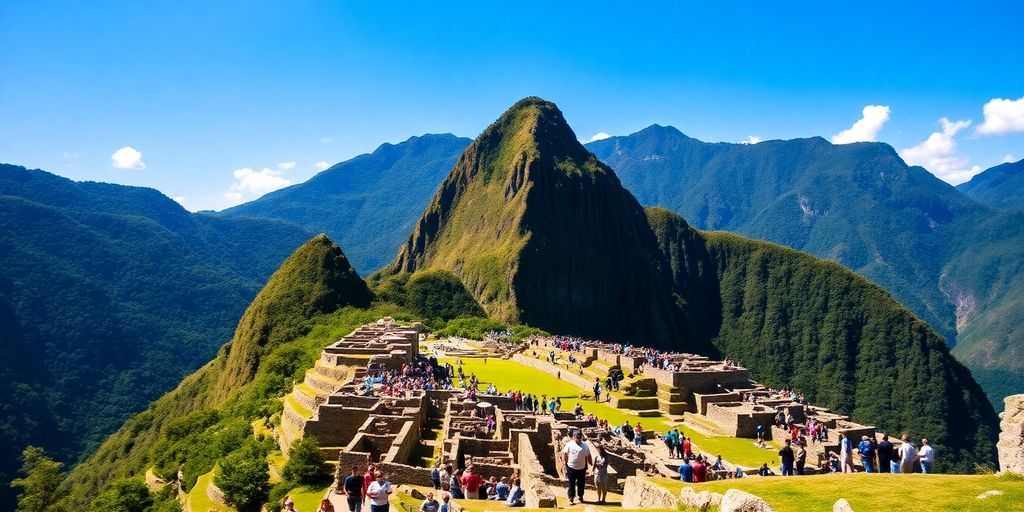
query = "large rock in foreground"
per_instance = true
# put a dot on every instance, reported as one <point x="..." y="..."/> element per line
<point x="1011" y="435"/>
<point x="739" y="501"/>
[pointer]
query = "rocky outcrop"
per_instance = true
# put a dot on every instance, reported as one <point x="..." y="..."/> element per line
<point x="841" y="505"/>
<point x="639" y="493"/>
<point x="703" y="500"/>
<point x="739" y="501"/>
<point x="1011" y="435"/>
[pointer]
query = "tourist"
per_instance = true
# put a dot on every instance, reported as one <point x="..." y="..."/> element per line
<point x="597" y="389"/>
<point x="435" y="475"/>
<point x="801" y="458"/>
<point x="638" y="439"/>
<point x="670" y="443"/>
<point x="289" y="505"/>
<point x="718" y="465"/>
<point x="686" y="471"/>
<point x="884" y="454"/>
<point x="454" y="485"/>
<point x="430" y="504"/>
<point x="444" y="502"/>
<point x="867" y="454"/>
<point x="354" y="490"/>
<point x="491" y="487"/>
<point x="765" y="471"/>
<point x="446" y="475"/>
<point x="515" y="495"/>
<point x="845" y="454"/>
<point x="551" y="406"/>
<point x="787" y="458"/>
<point x="379" y="492"/>
<point x="739" y="472"/>
<point x="501" y="490"/>
<point x="760" y="432"/>
<point x="576" y="457"/>
<point x="471" y="483"/>
<point x="698" y="470"/>
<point x="327" y="506"/>
<point x="544" y="404"/>
<point x="578" y="411"/>
<point x="601" y="474"/>
<point x="907" y="454"/>
<point x="687" y="447"/>
<point x="368" y="478"/>
<point x="926" y="456"/>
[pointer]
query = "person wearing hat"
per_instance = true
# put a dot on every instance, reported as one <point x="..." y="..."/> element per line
<point x="289" y="505"/>
<point x="576" y="457"/>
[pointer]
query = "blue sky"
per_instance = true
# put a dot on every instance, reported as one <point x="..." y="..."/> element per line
<point x="215" y="95"/>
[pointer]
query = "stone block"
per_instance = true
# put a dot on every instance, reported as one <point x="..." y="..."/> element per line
<point x="739" y="501"/>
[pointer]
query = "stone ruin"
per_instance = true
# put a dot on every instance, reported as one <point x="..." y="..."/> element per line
<point x="1011" y="435"/>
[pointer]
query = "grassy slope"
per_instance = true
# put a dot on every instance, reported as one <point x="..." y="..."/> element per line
<point x="875" y="492"/>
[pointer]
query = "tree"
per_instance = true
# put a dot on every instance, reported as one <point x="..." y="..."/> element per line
<point x="244" y="479"/>
<point x="39" y="486"/>
<point x="305" y="463"/>
<point x="127" y="495"/>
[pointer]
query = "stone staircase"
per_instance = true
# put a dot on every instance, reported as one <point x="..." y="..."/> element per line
<point x="325" y="377"/>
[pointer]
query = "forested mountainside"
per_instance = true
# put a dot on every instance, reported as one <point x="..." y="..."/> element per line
<point x="367" y="204"/>
<point x="1000" y="187"/>
<point x="109" y="295"/>
<point x="844" y="342"/>
<point x="948" y="258"/>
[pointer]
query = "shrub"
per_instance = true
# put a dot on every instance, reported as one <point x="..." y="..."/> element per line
<point x="127" y="495"/>
<point x="305" y="463"/>
<point x="244" y="478"/>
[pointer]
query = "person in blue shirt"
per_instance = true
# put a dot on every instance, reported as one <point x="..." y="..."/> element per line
<point x="515" y="495"/>
<point x="501" y="490"/>
<point x="686" y="471"/>
<point x="867" y="454"/>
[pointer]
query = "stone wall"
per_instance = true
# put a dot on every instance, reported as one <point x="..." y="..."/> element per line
<point x="1011" y="435"/>
<point x="639" y="493"/>
<point x="531" y="476"/>
<point x="702" y="400"/>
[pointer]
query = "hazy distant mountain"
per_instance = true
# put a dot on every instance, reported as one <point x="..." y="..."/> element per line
<point x="108" y="296"/>
<point x="1000" y="187"/>
<point x="369" y="203"/>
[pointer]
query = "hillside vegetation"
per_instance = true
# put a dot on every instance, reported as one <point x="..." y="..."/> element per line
<point x="109" y="295"/>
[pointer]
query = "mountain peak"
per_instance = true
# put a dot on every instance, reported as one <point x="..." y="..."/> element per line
<point x="540" y="232"/>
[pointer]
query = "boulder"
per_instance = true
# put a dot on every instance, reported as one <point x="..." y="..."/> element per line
<point x="640" y="493"/>
<point x="1011" y="435"/>
<point x="841" y="505"/>
<point x="985" y="495"/>
<point x="739" y="501"/>
<point x="703" y="500"/>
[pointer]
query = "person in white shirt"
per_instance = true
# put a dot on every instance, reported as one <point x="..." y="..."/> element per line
<point x="576" y="456"/>
<point x="926" y="455"/>
<point x="907" y="454"/>
<point x="379" y="491"/>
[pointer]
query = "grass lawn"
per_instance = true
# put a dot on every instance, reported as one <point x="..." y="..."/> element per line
<point x="307" y="498"/>
<point x="875" y="492"/>
<point x="306" y="413"/>
<point x="507" y="374"/>
<point x="199" y="501"/>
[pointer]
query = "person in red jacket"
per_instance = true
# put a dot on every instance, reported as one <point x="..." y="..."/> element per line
<point x="471" y="483"/>
<point x="698" y="470"/>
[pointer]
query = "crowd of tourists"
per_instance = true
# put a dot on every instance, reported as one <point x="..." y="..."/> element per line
<point x="453" y="483"/>
<point x="420" y="375"/>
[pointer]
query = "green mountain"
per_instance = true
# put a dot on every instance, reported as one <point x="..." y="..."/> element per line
<point x="542" y="233"/>
<point x="209" y="415"/>
<point x="109" y="295"/>
<point x="844" y="342"/>
<point x="369" y="203"/>
<point x="952" y="261"/>
<point x="1001" y="187"/>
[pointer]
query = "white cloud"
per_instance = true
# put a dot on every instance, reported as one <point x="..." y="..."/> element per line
<point x="1002" y="116"/>
<point x="599" y="136"/>
<point x="286" y="166"/>
<point x="865" y="129"/>
<point x="751" y="139"/>
<point x="321" y="165"/>
<point x="1008" y="158"/>
<point x="179" y="199"/>
<point x="938" y="154"/>
<point x="128" y="158"/>
<point x="326" y="140"/>
<point x="251" y="184"/>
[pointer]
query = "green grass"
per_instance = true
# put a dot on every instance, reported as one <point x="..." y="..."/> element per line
<point x="307" y="499"/>
<point x="306" y="413"/>
<point x="507" y="374"/>
<point x="199" y="501"/>
<point x="875" y="492"/>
